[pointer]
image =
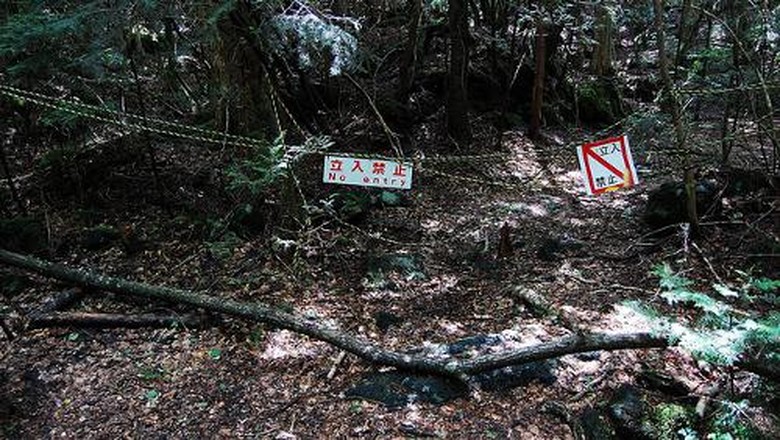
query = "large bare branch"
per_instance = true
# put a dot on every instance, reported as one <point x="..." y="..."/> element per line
<point x="356" y="345"/>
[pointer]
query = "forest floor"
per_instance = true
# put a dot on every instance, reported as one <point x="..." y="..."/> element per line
<point x="586" y="255"/>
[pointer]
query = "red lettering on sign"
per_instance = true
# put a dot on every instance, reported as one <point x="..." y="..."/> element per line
<point x="379" y="168"/>
<point x="357" y="167"/>
<point x="335" y="165"/>
<point x="399" y="170"/>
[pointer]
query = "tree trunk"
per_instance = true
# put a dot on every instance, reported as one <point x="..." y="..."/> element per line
<point x="602" y="56"/>
<point x="408" y="63"/>
<point x="457" y="98"/>
<point x="686" y="31"/>
<point x="242" y="77"/>
<point x="670" y="99"/>
<point x="356" y="345"/>
<point x="537" y="100"/>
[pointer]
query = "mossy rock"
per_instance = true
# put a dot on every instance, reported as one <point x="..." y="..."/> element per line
<point x="666" y="205"/>
<point x="628" y="411"/>
<point x="600" y="102"/>
<point x="596" y="425"/>
<point x="23" y="234"/>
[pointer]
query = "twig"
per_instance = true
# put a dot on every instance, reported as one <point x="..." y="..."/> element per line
<point x="336" y="363"/>
<point x="707" y="261"/>
<point x="391" y="136"/>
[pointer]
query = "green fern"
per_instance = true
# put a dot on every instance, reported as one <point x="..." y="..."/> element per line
<point x="722" y="333"/>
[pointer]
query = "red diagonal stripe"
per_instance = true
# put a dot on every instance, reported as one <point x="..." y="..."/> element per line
<point x="607" y="165"/>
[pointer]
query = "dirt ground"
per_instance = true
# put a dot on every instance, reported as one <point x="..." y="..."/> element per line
<point x="586" y="255"/>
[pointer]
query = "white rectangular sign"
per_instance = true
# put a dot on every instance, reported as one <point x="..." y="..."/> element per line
<point x="380" y="173"/>
<point x="607" y="165"/>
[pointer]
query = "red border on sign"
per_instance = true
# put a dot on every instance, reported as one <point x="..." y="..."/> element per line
<point x="587" y="153"/>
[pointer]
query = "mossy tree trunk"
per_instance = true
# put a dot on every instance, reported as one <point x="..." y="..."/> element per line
<point x="605" y="31"/>
<point x="242" y="77"/>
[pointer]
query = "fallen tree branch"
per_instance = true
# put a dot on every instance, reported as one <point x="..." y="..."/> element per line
<point x="356" y="345"/>
<point x="114" y="320"/>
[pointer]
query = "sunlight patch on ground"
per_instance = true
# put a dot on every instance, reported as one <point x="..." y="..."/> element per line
<point x="452" y="328"/>
<point x="571" y="182"/>
<point x="526" y="209"/>
<point x="625" y="319"/>
<point x="285" y="344"/>
<point x="524" y="160"/>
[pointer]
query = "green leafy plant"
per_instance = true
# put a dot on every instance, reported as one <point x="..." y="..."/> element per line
<point x="356" y="407"/>
<point x="215" y="354"/>
<point x="256" y="337"/>
<point x="152" y="397"/>
<point x="223" y="245"/>
<point x="725" y="329"/>
<point x="264" y="167"/>
<point x="152" y="373"/>
<point x="731" y="423"/>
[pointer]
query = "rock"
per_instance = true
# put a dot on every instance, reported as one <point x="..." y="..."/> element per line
<point x="744" y="182"/>
<point x="352" y="207"/>
<point x="666" y="204"/>
<point x="393" y="199"/>
<point x="517" y="375"/>
<point x="410" y="266"/>
<point x="600" y="101"/>
<point x="551" y="247"/>
<point x="596" y="425"/>
<point x="627" y="411"/>
<point x="503" y="378"/>
<point x="396" y="389"/>
<point x="654" y="380"/>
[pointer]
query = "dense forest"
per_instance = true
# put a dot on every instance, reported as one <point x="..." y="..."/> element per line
<point x="390" y="219"/>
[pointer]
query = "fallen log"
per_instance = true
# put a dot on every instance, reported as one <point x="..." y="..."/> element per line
<point x="356" y="345"/>
<point x="114" y="320"/>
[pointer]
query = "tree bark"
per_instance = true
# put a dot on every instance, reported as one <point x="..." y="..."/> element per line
<point x="538" y="92"/>
<point x="356" y="345"/>
<point x="457" y="97"/>
<point x="602" y="56"/>
<point x="408" y="63"/>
